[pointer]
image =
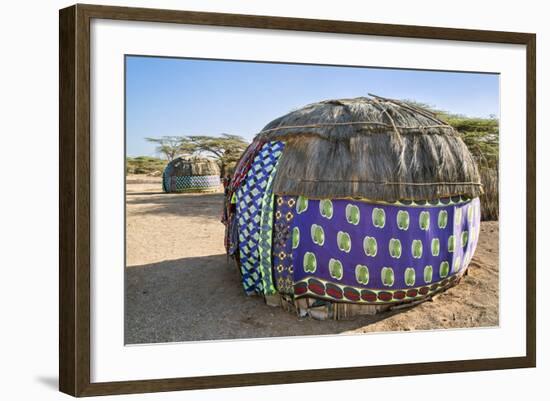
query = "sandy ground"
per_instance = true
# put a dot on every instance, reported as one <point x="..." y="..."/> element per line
<point x="180" y="286"/>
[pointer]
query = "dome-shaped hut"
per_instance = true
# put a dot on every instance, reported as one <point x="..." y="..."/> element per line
<point x="191" y="175"/>
<point x="353" y="206"/>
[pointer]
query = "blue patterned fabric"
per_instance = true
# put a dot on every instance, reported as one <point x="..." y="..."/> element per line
<point x="266" y="235"/>
<point x="250" y="198"/>
<point x="194" y="183"/>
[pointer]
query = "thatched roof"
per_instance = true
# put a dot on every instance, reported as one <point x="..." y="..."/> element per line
<point x="194" y="166"/>
<point x="373" y="148"/>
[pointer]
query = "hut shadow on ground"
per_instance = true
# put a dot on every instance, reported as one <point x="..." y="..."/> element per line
<point x="206" y="205"/>
<point x="144" y="193"/>
<point x="201" y="298"/>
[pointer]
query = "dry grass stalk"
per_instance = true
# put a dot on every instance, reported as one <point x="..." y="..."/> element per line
<point x="489" y="200"/>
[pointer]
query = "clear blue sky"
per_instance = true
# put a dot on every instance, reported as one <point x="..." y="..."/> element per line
<point x="170" y="96"/>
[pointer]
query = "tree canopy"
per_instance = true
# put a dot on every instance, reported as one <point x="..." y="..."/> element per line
<point x="226" y="148"/>
<point x="167" y="146"/>
<point x="481" y="135"/>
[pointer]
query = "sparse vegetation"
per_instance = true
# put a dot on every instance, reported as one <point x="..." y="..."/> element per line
<point x="145" y="165"/>
<point x="481" y="137"/>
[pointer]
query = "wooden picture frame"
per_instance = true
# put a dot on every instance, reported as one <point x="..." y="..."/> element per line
<point x="74" y="199"/>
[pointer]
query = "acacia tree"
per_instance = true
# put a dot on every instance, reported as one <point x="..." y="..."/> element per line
<point x="481" y="135"/>
<point x="226" y="148"/>
<point x="168" y="146"/>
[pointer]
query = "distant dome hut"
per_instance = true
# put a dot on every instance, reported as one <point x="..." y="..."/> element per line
<point x="191" y="175"/>
<point x="353" y="206"/>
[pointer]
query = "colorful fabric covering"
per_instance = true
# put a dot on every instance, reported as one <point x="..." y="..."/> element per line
<point x="282" y="244"/>
<point x="355" y="251"/>
<point x="228" y="215"/>
<point x="194" y="183"/>
<point x="250" y="204"/>
<point x="244" y="164"/>
<point x="266" y="235"/>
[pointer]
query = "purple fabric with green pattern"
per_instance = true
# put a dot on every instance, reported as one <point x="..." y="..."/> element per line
<point x="383" y="246"/>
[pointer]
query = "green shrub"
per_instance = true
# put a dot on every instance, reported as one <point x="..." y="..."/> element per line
<point x="144" y="165"/>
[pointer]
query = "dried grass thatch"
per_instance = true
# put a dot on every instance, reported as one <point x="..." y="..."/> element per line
<point x="194" y="166"/>
<point x="373" y="148"/>
<point x="489" y="200"/>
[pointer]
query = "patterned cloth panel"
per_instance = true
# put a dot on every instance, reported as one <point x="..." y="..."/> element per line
<point x="355" y="251"/>
<point x="244" y="164"/>
<point x="231" y="238"/>
<point x="250" y="198"/>
<point x="166" y="178"/>
<point x="266" y="236"/>
<point x="282" y="243"/>
<point x="194" y="183"/>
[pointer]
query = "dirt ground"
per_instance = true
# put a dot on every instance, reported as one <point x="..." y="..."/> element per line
<point x="180" y="286"/>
